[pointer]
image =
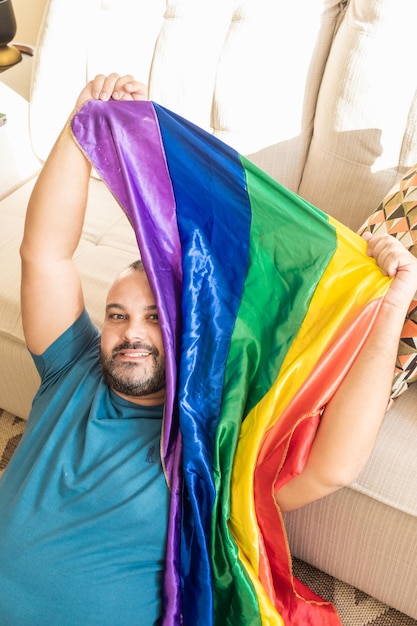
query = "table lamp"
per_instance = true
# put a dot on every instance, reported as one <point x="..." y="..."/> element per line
<point x="9" y="55"/>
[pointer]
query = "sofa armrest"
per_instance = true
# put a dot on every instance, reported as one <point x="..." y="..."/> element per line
<point x="18" y="162"/>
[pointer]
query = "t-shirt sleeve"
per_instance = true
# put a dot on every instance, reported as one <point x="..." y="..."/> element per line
<point x="78" y="339"/>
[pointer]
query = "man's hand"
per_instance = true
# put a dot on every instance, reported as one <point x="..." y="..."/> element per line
<point x="395" y="261"/>
<point x="112" y="87"/>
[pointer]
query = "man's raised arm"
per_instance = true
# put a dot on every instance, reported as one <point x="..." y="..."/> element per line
<point x="51" y="293"/>
<point x="351" y="420"/>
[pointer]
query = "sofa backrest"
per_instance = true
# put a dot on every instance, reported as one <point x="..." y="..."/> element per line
<point x="365" y="131"/>
<point x="317" y="92"/>
<point x="247" y="70"/>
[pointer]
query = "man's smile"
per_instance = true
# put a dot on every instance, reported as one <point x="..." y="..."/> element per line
<point x="134" y="354"/>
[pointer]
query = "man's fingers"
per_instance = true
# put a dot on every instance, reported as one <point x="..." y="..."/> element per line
<point x="388" y="252"/>
<point x="113" y="86"/>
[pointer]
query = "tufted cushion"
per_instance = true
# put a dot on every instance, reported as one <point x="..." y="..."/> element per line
<point x="397" y="216"/>
<point x="365" y="132"/>
<point x="234" y="67"/>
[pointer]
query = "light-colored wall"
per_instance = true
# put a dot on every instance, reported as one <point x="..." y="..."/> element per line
<point x="28" y="15"/>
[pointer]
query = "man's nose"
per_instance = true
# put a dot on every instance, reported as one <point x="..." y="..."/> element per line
<point x="134" y="331"/>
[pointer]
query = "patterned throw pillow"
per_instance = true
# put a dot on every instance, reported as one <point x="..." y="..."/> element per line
<point x="397" y="216"/>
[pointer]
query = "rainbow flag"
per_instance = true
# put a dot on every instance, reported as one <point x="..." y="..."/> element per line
<point x="264" y="303"/>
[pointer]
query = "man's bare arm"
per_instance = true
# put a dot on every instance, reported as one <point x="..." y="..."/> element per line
<point x="351" y="420"/>
<point x="51" y="293"/>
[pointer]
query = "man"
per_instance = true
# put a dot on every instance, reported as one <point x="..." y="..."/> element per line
<point x="84" y="501"/>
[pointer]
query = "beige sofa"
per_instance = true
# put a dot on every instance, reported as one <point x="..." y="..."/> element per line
<point x="321" y="94"/>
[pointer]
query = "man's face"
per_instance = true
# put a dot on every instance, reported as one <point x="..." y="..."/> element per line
<point x="132" y="353"/>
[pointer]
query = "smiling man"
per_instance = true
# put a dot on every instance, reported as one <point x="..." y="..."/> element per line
<point x="132" y="352"/>
<point x="84" y="501"/>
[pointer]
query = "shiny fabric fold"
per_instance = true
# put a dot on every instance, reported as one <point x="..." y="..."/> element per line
<point x="264" y="304"/>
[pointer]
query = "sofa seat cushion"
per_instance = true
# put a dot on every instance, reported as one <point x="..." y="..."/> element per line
<point x="390" y="473"/>
<point x="364" y="534"/>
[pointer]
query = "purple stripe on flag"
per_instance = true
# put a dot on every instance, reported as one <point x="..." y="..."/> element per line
<point x="127" y="153"/>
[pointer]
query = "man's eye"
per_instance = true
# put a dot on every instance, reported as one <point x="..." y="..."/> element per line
<point x="117" y="316"/>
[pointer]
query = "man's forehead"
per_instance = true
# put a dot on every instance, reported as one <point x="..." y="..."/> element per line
<point x="130" y="275"/>
<point x="131" y="286"/>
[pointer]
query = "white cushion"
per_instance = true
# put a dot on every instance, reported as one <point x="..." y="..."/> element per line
<point x="249" y="72"/>
<point x="365" y="133"/>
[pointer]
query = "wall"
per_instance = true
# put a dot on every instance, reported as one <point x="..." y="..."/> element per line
<point x="28" y="17"/>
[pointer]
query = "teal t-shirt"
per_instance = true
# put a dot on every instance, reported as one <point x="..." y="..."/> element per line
<point x="84" y="501"/>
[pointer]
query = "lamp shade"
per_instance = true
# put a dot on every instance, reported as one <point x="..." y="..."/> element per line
<point x="8" y="54"/>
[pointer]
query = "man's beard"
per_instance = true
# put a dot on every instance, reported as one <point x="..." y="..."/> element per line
<point x="128" y="378"/>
